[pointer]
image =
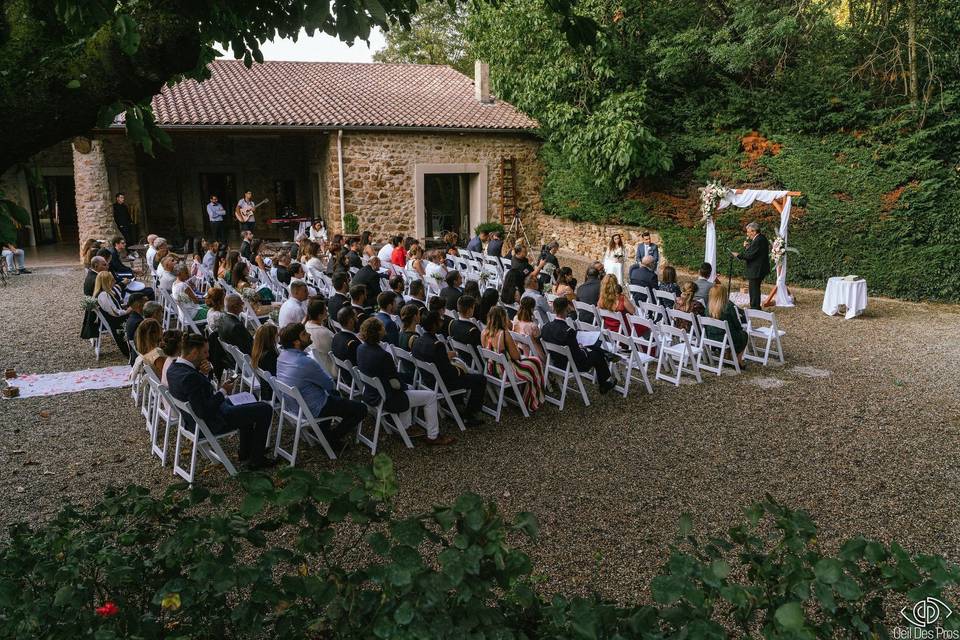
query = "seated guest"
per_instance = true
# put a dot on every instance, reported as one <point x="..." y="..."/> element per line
<point x="263" y="355"/>
<point x="415" y="268"/>
<point x="283" y="265"/>
<point x="353" y="259"/>
<point x="226" y="267"/>
<point x="369" y="276"/>
<point x="397" y="285"/>
<point x="559" y="332"/>
<point x="435" y="269"/>
<point x="613" y="299"/>
<point x="210" y="257"/>
<point x="135" y="303"/>
<point x="120" y="271"/>
<point x="439" y="305"/>
<point x="387" y="302"/>
<point x="358" y="302"/>
<point x="526" y="323"/>
<point x="189" y="382"/>
<point x="170" y="342"/>
<point x="385" y="254"/>
<point x="97" y="264"/>
<point x="399" y="256"/>
<point x="488" y="300"/>
<point x="341" y="296"/>
<point x="317" y="388"/>
<point x="721" y="308"/>
<point x="314" y="263"/>
<point x="167" y="273"/>
<point x="669" y="283"/>
<point x="321" y="337"/>
<point x="214" y="300"/>
<point x="367" y="247"/>
<point x="527" y="369"/>
<point x="704" y="283"/>
<point x="377" y="363"/>
<point x="152" y="246"/>
<point x="246" y="244"/>
<point x="472" y="288"/>
<point x="15" y="259"/>
<point x="417" y="295"/>
<point x="565" y="284"/>
<point x="476" y="242"/>
<point x="261" y="298"/>
<point x="113" y="311"/>
<point x="256" y="253"/>
<point x="689" y="303"/>
<point x="532" y="290"/>
<point x="294" y="309"/>
<point x="318" y="231"/>
<point x="428" y="349"/>
<point x="153" y="309"/>
<point x="409" y="319"/>
<point x="643" y="274"/>
<point x="589" y="291"/>
<point x="296" y="274"/>
<point x="454" y="289"/>
<point x="183" y="294"/>
<point x="464" y="329"/>
<point x="146" y="341"/>
<point x="345" y="343"/>
<point x="233" y="330"/>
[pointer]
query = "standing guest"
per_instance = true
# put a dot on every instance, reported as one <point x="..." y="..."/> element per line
<point x="428" y="349"/>
<point x="704" y="283"/>
<point x="321" y="337"/>
<point x="216" y="214"/>
<point x="11" y="253"/>
<point x="476" y="242"/>
<point x="263" y="355"/>
<point x="147" y="342"/>
<point x="189" y="383"/>
<point x="613" y="258"/>
<point x="526" y="324"/>
<point x="454" y="289"/>
<point x="214" y="300"/>
<point x="121" y="216"/>
<point x="669" y="284"/>
<point x="373" y="361"/>
<point x="648" y="248"/>
<point x="113" y="312"/>
<point x="318" y="231"/>
<point x="233" y="330"/>
<point x="528" y="369"/>
<point x="565" y="284"/>
<point x="399" y="256"/>
<point x="246" y="244"/>
<point x="756" y="254"/>
<point x="418" y="295"/>
<point x="514" y="281"/>
<point x="643" y="275"/>
<point x="559" y="332"/>
<point x="358" y="302"/>
<point x="244" y="212"/>
<point x="612" y="299"/>
<point x="294" y="309"/>
<point x="551" y="265"/>
<point x="369" y="276"/>
<point x="341" y="295"/>
<point x="532" y="291"/>
<point x="688" y="302"/>
<point x="210" y="258"/>
<point x="297" y="369"/>
<point x="495" y="246"/>
<point x="387" y="302"/>
<point x="721" y="308"/>
<point x="183" y="294"/>
<point x="135" y="303"/>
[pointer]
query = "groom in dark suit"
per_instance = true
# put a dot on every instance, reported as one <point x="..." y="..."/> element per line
<point x="756" y="254"/>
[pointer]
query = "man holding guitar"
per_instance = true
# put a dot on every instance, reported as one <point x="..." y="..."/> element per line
<point x="245" y="210"/>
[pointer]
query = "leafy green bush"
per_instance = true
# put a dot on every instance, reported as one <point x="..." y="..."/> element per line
<point x="350" y="223"/>
<point x="324" y="556"/>
<point x="489" y="227"/>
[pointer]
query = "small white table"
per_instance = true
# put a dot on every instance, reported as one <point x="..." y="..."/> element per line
<point x="851" y="294"/>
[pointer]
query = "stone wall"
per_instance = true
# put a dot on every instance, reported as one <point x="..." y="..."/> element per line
<point x="94" y="210"/>
<point x="380" y="175"/>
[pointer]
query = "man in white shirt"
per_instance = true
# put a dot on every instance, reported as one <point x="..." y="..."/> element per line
<point x="294" y="310"/>
<point x="385" y="254"/>
<point x="166" y="273"/>
<point x="704" y="283"/>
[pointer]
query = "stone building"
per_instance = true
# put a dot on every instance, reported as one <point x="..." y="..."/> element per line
<point x="409" y="149"/>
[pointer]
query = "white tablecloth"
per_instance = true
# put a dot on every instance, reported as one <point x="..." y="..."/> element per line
<point x="851" y="294"/>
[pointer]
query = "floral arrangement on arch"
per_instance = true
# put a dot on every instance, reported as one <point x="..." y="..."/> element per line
<point x="710" y="197"/>
<point x="779" y="249"/>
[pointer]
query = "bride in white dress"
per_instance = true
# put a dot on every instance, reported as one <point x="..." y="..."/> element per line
<point x="614" y="259"/>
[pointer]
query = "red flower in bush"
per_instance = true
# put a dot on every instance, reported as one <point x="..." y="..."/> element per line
<point x="108" y="609"/>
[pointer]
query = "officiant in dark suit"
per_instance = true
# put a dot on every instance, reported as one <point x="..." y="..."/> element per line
<point x="756" y="254"/>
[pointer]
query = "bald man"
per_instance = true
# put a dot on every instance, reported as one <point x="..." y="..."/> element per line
<point x="97" y="264"/>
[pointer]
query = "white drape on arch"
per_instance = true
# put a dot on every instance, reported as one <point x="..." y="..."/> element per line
<point x="744" y="198"/>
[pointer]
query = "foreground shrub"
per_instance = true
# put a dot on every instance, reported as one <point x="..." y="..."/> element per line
<point x="323" y="556"/>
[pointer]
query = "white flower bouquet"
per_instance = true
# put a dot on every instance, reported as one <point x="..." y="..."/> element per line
<point x="710" y="197"/>
<point x="779" y="249"/>
<point x="618" y="255"/>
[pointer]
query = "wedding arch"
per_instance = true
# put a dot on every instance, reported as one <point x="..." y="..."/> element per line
<point x="715" y="197"/>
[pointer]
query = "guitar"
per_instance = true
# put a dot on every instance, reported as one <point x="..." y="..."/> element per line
<point x="244" y="215"/>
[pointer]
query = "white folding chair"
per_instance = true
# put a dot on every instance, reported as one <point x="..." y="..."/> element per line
<point x="202" y="440"/>
<point x="675" y="346"/>
<point x="407" y="363"/>
<point x="472" y="359"/>
<point x="646" y="341"/>
<point x="663" y="297"/>
<point x="498" y="385"/>
<point x="447" y="406"/>
<point x="102" y="330"/>
<point x="235" y="354"/>
<point x="693" y="325"/>
<point x="613" y="316"/>
<point x="158" y="409"/>
<point x="346" y="383"/>
<point x="714" y="363"/>
<point x="589" y="309"/>
<point x="390" y="421"/>
<point x="639" y="293"/>
<point x="633" y="359"/>
<point x="295" y="409"/>
<point x="767" y="335"/>
<point x="568" y="373"/>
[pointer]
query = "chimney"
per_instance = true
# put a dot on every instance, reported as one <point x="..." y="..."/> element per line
<point x="481" y="82"/>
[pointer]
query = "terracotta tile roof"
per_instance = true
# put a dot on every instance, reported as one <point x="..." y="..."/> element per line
<point x="333" y="94"/>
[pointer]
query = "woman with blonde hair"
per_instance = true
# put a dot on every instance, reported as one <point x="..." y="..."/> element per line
<point x="612" y="299"/>
<point x="688" y="303"/>
<point x="414" y="268"/>
<point x="721" y="308"/>
<point x="613" y="258"/>
<point x="113" y="311"/>
<point x="146" y="340"/>
<point x="496" y="337"/>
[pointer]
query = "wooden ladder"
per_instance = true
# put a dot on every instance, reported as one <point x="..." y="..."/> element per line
<point x="508" y="191"/>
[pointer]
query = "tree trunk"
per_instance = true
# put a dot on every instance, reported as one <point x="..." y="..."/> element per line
<point x="39" y="65"/>
<point x="912" y="51"/>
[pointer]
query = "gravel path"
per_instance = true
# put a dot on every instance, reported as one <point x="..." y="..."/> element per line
<point x="860" y="428"/>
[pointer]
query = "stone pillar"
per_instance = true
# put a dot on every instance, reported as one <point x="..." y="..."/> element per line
<point x="94" y="205"/>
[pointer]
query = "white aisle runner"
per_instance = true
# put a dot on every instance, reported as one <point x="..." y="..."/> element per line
<point x="51" y="384"/>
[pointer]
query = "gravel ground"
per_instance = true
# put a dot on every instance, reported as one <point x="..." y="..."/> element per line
<point x="860" y="428"/>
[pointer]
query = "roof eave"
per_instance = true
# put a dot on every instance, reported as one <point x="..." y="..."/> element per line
<point x="296" y="128"/>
